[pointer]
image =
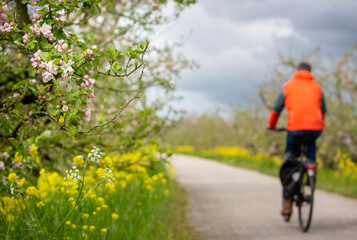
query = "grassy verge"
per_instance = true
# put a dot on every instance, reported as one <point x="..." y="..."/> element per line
<point x="131" y="196"/>
<point x="177" y="220"/>
<point x="326" y="179"/>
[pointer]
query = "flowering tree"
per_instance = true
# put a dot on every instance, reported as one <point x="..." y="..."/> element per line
<point x="69" y="68"/>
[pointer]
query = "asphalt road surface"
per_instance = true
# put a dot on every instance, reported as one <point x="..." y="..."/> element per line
<point x="230" y="203"/>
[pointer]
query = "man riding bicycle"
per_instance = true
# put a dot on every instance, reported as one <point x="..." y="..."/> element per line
<point x="305" y="103"/>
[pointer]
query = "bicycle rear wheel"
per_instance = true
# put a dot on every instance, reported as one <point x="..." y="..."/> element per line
<point x="306" y="201"/>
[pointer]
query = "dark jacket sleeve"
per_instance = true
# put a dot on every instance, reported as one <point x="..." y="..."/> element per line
<point x="275" y="111"/>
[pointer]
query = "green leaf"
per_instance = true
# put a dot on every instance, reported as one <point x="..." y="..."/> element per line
<point x="89" y="66"/>
<point x="116" y="66"/>
<point x="19" y="85"/>
<point x="56" y="61"/>
<point x="46" y="56"/>
<point x="58" y="33"/>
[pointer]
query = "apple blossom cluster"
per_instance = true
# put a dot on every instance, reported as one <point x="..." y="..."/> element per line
<point x="45" y="29"/>
<point x="5" y="26"/>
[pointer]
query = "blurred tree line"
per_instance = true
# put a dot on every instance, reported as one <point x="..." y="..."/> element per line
<point x="246" y="127"/>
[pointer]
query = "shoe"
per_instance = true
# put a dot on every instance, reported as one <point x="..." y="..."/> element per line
<point x="287" y="208"/>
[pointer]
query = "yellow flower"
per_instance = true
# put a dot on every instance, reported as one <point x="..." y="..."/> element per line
<point x="42" y="171"/>
<point x="18" y="157"/>
<point x="12" y="177"/>
<point x="78" y="160"/>
<point x="85" y="216"/>
<point x="105" y="206"/>
<point x="40" y="204"/>
<point x="31" y="191"/>
<point x="21" y="182"/>
<point x="61" y="119"/>
<point x="167" y="191"/>
<point x="115" y="216"/>
<point x="110" y="187"/>
<point x="33" y="150"/>
<point x="85" y="227"/>
<point x="84" y="236"/>
<point x="68" y="222"/>
<point x="103" y="230"/>
<point x="91" y="228"/>
<point x="100" y="172"/>
<point x="101" y="200"/>
<point x="94" y="213"/>
<point x="74" y="226"/>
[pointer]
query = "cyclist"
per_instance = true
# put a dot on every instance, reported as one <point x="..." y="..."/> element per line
<point x="305" y="103"/>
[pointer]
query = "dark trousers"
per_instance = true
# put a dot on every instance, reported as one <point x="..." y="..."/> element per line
<point x="294" y="140"/>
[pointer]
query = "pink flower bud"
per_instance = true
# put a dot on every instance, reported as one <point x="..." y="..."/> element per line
<point x="39" y="97"/>
<point x="89" y="52"/>
<point x="61" y="62"/>
<point x="70" y="51"/>
<point x="39" y="88"/>
<point x="16" y="95"/>
<point x="58" y="106"/>
<point x="47" y="99"/>
<point x="43" y="97"/>
<point x="93" y="59"/>
<point x="85" y="76"/>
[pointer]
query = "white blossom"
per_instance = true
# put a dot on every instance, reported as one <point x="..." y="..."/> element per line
<point x="46" y="29"/>
<point x="95" y="155"/>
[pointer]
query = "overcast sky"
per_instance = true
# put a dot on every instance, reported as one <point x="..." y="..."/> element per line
<point x="235" y="42"/>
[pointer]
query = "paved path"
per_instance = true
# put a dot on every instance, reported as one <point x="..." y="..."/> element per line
<point x="229" y="203"/>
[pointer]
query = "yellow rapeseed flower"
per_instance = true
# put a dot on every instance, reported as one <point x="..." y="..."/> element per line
<point x="105" y="206"/>
<point x="103" y="230"/>
<point x="101" y="200"/>
<point x="18" y="157"/>
<point x="94" y="213"/>
<point x="115" y="216"/>
<point x="40" y="204"/>
<point x="68" y="222"/>
<point x="21" y="182"/>
<point x="42" y="171"/>
<point x="85" y="216"/>
<point x="91" y="228"/>
<point x="12" y="177"/>
<point x="33" y="150"/>
<point x="167" y="191"/>
<point x="61" y="119"/>
<point x="31" y="191"/>
<point x="74" y="226"/>
<point x="85" y="227"/>
<point x="78" y="160"/>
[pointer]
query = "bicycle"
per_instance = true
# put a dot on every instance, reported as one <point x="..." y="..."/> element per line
<point x="304" y="196"/>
